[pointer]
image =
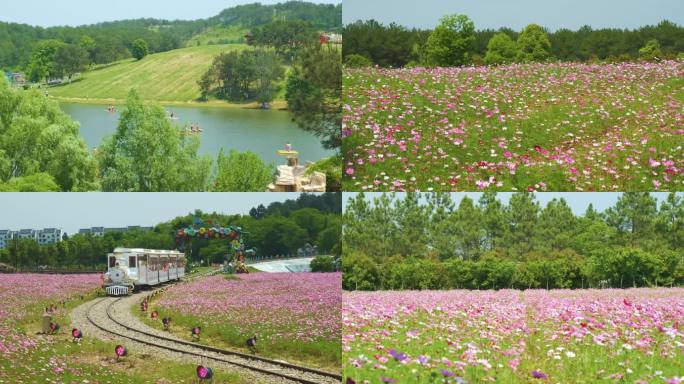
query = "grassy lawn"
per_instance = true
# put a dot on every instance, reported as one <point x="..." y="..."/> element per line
<point x="168" y="77"/>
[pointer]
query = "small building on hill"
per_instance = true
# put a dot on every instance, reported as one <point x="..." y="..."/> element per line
<point x="330" y="38"/>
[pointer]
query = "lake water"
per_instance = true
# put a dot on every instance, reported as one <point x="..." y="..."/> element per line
<point x="259" y="131"/>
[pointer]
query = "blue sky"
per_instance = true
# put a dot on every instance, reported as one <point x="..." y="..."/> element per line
<point x="72" y="211"/>
<point x="553" y="14"/>
<point x="47" y="13"/>
<point x="578" y="201"/>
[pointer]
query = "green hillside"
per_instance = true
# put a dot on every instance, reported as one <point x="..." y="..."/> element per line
<point x="114" y="39"/>
<point x="169" y="76"/>
<point x="233" y="34"/>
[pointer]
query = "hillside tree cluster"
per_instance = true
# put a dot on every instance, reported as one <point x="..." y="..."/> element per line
<point x="107" y="42"/>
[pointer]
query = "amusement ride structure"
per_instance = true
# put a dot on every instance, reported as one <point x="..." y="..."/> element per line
<point x="235" y="259"/>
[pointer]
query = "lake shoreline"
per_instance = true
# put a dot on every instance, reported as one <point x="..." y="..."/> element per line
<point x="260" y="131"/>
<point x="277" y="105"/>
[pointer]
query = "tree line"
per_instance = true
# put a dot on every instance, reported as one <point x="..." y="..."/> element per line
<point x="96" y="44"/>
<point x="455" y="41"/>
<point x="281" y="228"/>
<point x="427" y="242"/>
<point x="107" y="42"/>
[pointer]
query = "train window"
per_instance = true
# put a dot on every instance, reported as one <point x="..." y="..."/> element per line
<point x="112" y="262"/>
<point x="131" y="261"/>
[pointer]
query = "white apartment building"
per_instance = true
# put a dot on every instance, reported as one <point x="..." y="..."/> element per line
<point x="49" y="236"/>
<point x="41" y="236"/>
<point x="30" y="234"/>
<point x="100" y="231"/>
<point x="5" y="236"/>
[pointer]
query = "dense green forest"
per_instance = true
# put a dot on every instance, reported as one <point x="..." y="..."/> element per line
<point x="427" y="242"/>
<point x="397" y="46"/>
<point x="111" y="41"/>
<point x="277" y="229"/>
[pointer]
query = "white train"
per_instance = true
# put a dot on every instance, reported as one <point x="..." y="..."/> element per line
<point x="131" y="268"/>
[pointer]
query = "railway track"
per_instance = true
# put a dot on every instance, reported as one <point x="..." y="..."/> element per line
<point x="100" y="315"/>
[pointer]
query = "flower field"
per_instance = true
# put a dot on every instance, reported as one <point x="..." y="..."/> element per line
<point x="28" y="357"/>
<point x="294" y="315"/>
<point x="21" y="296"/>
<point x="557" y="127"/>
<point x="24" y="356"/>
<point x="558" y="336"/>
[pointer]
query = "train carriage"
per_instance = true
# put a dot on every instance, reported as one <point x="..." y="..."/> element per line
<point x="129" y="269"/>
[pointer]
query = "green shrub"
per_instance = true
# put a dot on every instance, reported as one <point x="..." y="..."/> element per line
<point x="357" y="61"/>
<point x="38" y="182"/>
<point x="332" y="167"/>
<point x="323" y="264"/>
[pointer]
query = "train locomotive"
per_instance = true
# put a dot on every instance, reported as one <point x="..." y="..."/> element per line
<point x="129" y="269"/>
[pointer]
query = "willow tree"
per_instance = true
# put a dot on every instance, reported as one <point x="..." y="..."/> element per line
<point x="37" y="137"/>
<point x="148" y="154"/>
